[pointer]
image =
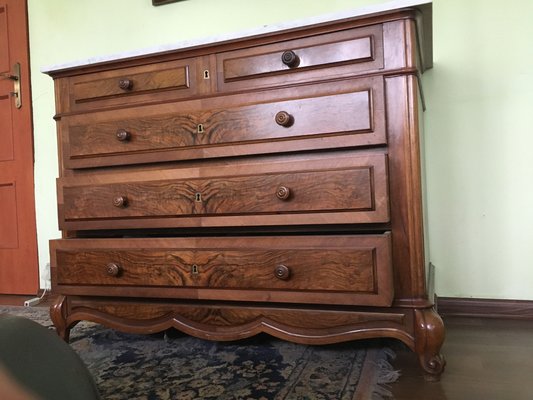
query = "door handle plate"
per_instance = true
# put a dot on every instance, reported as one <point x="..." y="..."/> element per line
<point x="15" y="77"/>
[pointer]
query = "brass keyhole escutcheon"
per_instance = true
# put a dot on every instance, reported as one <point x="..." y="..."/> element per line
<point x="194" y="269"/>
<point x="198" y="197"/>
<point x="206" y="74"/>
<point x="200" y="128"/>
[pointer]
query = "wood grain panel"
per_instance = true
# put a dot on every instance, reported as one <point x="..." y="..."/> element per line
<point x="4" y="44"/>
<point x="6" y="122"/>
<point x="329" y="116"/>
<point x="311" y="192"/>
<point x="6" y="86"/>
<point x="227" y="316"/>
<point x="8" y="216"/>
<point x="331" y="270"/>
<point x="326" y="115"/>
<point x="352" y="189"/>
<point x="142" y="82"/>
<point x="228" y="322"/>
<point x="355" y="50"/>
<point x="164" y="81"/>
<point x="343" y="53"/>
<point x="343" y="269"/>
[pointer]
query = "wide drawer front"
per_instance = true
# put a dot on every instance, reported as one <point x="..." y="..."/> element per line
<point x="325" y="269"/>
<point x="343" y="53"/>
<point x="352" y="187"/>
<point x="126" y="86"/>
<point x="325" y="116"/>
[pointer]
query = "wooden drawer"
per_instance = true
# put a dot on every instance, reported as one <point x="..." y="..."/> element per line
<point x="127" y="86"/>
<point x="353" y="115"/>
<point x="344" y="53"/>
<point x="315" y="190"/>
<point x="351" y="270"/>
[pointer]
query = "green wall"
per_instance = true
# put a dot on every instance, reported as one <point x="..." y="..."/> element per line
<point x="478" y="131"/>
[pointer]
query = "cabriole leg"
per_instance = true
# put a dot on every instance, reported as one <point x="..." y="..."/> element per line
<point x="429" y="337"/>
<point x="58" y="314"/>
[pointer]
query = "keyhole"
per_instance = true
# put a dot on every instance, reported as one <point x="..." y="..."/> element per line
<point x="198" y="197"/>
<point x="194" y="269"/>
<point x="200" y="128"/>
<point x="206" y="74"/>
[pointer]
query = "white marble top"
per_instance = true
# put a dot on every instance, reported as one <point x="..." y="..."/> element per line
<point x="367" y="10"/>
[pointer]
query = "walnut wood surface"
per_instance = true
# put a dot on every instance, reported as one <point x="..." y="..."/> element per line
<point x="310" y="191"/>
<point x="311" y="130"/>
<point x="357" y="268"/>
<point x="355" y="50"/>
<point x="429" y="336"/>
<point x="347" y="115"/>
<point x="349" y="271"/>
<point x="342" y="269"/>
<point x="406" y="187"/>
<point x="350" y="51"/>
<point x="226" y="322"/>
<point x="316" y="116"/>
<point x="126" y="86"/>
<point x="345" y="190"/>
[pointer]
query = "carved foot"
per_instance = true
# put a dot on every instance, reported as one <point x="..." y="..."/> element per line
<point x="429" y="337"/>
<point x="58" y="315"/>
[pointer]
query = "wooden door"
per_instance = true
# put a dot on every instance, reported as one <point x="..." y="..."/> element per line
<point x="19" y="272"/>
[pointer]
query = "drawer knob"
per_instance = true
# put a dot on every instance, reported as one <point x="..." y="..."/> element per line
<point x="283" y="193"/>
<point x="125" y="84"/>
<point x="283" y="118"/>
<point x="282" y="272"/>
<point x="290" y="59"/>
<point x="113" y="269"/>
<point x="120" y="201"/>
<point x="123" y="135"/>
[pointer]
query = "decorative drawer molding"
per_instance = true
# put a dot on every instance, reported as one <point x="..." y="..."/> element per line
<point x="126" y="86"/>
<point x="330" y="116"/>
<point x="333" y="55"/>
<point x="317" y="190"/>
<point x="349" y="270"/>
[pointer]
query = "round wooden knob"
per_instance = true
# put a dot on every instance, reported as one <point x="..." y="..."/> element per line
<point x="113" y="269"/>
<point x="282" y="272"/>
<point x="120" y="201"/>
<point x="123" y="135"/>
<point x="283" y="193"/>
<point x="125" y="84"/>
<point x="290" y="59"/>
<point x="285" y="119"/>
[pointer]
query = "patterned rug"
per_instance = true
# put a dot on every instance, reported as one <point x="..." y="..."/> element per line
<point x="178" y="367"/>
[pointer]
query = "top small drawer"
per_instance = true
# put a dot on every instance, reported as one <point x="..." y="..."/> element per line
<point x="337" y="54"/>
<point x="154" y="82"/>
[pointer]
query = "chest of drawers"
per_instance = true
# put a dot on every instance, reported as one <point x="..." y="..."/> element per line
<point x="269" y="183"/>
